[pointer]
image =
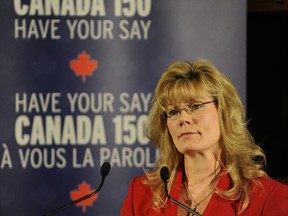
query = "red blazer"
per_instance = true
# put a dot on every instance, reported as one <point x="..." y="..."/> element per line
<point x="269" y="200"/>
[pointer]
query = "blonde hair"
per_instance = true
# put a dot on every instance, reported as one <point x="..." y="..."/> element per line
<point x="182" y="81"/>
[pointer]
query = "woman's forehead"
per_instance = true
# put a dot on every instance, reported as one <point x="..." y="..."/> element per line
<point x="185" y="99"/>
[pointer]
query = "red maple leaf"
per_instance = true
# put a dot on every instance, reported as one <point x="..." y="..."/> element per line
<point x="83" y="66"/>
<point x="83" y="190"/>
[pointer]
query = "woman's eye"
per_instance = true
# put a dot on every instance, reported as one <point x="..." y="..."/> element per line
<point x="173" y="112"/>
<point x="196" y="106"/>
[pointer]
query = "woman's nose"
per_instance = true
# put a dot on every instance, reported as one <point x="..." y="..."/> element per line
<point x="184" y="118"/>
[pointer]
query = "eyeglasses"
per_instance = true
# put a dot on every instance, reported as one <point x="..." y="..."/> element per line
<point x="190" y="108"/>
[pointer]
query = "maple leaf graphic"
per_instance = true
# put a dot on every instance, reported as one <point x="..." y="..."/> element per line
<point x="83" y="190"/>
<point x="83" y="66"/>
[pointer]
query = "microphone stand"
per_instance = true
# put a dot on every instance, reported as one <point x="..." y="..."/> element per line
<point x="105" y="168"/>
<point x="164" y="172"/>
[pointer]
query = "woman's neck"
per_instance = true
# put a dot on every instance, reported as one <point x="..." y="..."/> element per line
<point x="200" y="171"/>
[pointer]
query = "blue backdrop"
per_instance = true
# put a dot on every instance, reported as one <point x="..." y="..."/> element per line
<point x="77" y="79"/>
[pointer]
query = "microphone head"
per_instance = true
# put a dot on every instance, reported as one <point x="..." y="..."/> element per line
<point x="105" y="168"/>
<point x="164" y="173"/>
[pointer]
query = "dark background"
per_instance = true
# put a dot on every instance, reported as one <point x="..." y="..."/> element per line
<point x="267" y="91"/>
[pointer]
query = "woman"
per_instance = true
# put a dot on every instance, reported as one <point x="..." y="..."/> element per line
<point x="197" y="122"/>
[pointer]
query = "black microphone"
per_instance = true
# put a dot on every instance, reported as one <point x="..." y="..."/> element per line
<point x="164" y="173"/>
<point x="105" y="169"/>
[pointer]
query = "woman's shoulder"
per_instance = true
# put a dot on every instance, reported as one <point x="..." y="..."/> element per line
<point x="270" y="185"/>
<point x="272" y="195"/>
<point x="269" y="181"/>
<point x="138" y="182"/>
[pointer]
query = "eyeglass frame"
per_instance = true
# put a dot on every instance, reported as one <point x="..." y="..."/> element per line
<point x="187" y="109"/>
